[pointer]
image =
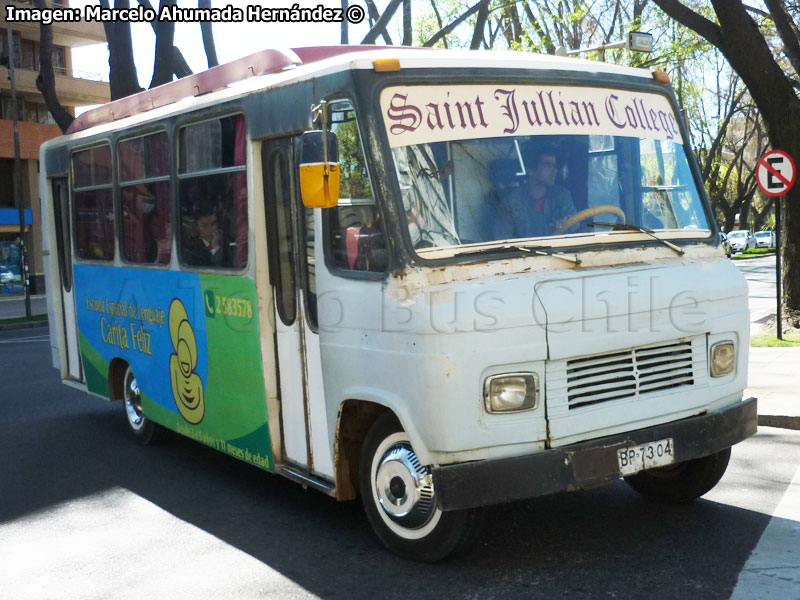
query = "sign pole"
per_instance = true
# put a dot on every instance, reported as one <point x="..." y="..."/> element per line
<point x="17" y="176"/>
<point x="775" y="175"/>
<point x="778" y="263"/>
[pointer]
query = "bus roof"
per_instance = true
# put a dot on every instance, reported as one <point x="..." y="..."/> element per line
<point x="312" y="61"/>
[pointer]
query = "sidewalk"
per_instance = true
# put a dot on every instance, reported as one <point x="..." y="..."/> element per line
<point x="13" y="306"/>
<point x="774" y="380"/>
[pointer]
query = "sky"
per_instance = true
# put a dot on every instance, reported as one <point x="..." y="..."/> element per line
<point x="233" y="40"/>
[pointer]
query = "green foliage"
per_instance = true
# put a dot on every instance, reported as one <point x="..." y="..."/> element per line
<point x="426" y="23"/>
<point x="758" y="251"/>
<point x="17" y="320"/>
<point x="353" y="178"/>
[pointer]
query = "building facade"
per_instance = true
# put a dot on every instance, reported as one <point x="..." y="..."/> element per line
<point x="35" y="123"/>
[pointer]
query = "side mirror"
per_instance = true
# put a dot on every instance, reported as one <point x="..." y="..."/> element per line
<point x="319" y="169"/>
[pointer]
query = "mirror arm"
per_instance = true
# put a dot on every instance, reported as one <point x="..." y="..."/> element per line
<point x="323" y="106"/>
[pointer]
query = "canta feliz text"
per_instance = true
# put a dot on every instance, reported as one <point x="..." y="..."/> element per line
<point x="116" y="334"/>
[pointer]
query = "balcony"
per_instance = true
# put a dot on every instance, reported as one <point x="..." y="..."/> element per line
<point x="64" y="34"/>
<point x="72" y="89"/>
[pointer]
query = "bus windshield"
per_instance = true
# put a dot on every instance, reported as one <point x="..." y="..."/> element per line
<point x="483" y="165"/>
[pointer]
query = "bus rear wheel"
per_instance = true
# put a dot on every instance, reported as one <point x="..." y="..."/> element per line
<point x="683" y="482"/>
<point x="145" y="430"/>
<point x="400" y="501"/>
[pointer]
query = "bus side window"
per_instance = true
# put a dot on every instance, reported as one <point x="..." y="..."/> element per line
<point x="355" y="234"/>
<point x="145" y="191"/>
<point x="94" y="209"/>
<point x="212" y="193"/>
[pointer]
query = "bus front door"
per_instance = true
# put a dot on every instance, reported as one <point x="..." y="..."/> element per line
<point x="62" y="213"/>
<point x="290" y="245"/>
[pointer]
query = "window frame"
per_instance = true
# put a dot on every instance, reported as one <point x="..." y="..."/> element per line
<point x="178" y="177"/>
<point x="275" y="154"/>
<point x="62" y="221"/>
<point x="119" y="184"/>
<point x="327" y="248"/>
<point x="74" y="205"/>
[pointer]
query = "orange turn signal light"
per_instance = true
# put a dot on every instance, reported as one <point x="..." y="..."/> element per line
<point x="382" y="65"/>
<point x="661" y="76"/>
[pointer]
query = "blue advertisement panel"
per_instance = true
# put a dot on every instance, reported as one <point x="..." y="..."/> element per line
<point x="193" y="343"/>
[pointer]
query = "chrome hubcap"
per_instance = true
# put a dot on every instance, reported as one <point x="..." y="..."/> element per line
<point x="404" y="487"/>
<point x="133" y="400"/>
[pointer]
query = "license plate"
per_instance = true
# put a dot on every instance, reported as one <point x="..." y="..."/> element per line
<point x="638" y="458"/>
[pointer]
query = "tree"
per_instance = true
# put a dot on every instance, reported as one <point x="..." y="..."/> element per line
<point x="123" y="77"/>
<point x="770" y="78"/>
<point x="46" y="80"/>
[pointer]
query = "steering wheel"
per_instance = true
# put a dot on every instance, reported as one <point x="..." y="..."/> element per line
<point x="588" y="213"/>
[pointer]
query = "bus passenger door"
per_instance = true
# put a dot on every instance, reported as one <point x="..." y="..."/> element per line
<point x="62" y="213"/>
<point x="290" y="244"/>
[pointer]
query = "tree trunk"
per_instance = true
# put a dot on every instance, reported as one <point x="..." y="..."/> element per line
<point x="374" y="16"/>
<point x="122" y="77"/>
<point x="208" y="35"/>
<point x="739" y="39"/>
<point x="46" y="80"/>
<point x="179" y="64"/>
<point x="345" y="34"/>
<point x="408" y="35"/>
<point x="165" y="35"/>
<point x="480" y="25"/>
<point x="447" y="29"/>
<point x="380" y="25"/>
<point x="785" y="135"/>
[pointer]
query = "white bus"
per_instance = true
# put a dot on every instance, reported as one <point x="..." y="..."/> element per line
<point x="436" y="280"/>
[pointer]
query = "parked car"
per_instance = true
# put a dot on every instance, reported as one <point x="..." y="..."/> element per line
<point x="8" y="276"/>
<point x="741" y="240"/>
<point x="726" y="245"/>
<point x="765" y="239"/>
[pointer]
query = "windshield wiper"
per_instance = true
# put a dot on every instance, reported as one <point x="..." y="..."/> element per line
<point x="529" y="248"/>
<point x="627" y="227"/>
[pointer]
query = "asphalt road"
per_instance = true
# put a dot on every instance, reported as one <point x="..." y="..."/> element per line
<point x="86" y="513"/>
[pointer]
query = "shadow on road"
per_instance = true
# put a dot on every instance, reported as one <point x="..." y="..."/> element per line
<point x="59" y="444"/>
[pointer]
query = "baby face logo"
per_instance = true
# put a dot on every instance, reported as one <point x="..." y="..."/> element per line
<point x="187" y="387"/>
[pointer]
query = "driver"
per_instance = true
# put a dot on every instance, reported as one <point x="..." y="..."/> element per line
<point x="538" y="207"/>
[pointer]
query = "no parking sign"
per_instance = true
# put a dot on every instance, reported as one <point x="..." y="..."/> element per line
<point x="775" y="173"/>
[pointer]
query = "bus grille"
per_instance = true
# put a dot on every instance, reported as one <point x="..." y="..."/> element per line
<point x="629" y="373"/>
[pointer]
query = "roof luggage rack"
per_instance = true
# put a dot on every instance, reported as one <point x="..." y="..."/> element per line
<point x="215" y="78"/>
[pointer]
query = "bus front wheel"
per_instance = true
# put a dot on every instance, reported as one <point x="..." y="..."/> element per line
<point x="400" y="500"/>
<point x="145" y="430"/>
<point x="682" y="482"/>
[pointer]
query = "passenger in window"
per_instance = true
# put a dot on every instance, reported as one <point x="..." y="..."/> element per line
<point x="205" y="247"/>
<point x="537" y="208"/>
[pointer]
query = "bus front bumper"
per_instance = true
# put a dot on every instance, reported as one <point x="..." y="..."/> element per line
<point x="586" y="464"/>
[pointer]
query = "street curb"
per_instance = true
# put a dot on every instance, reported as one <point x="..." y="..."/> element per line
<point x="13" y="326"/>
<point x="780" y="421"/>
<point x="751" y="257"/>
